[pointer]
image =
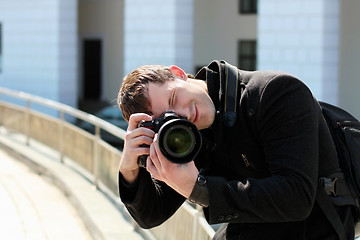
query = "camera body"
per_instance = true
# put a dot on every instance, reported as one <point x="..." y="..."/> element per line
<point x="179" y="139"/>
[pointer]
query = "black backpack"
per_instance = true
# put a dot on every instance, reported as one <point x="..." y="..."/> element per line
<point x="345" y="130"/>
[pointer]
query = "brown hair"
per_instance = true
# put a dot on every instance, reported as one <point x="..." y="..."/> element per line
<point x="133" y="94"/>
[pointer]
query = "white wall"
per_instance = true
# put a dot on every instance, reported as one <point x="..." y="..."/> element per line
<point x="67" y="52"/>
<point x="37" y="55"/>
<point x="349" y="97"/>
<point x="158" y="32"/>
<point x="104" y="19"/>
<point x="218" y="27"/>
<point x="301" y="37"/>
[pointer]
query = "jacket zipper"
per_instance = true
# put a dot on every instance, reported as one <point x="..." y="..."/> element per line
<point x="246" y="161"/>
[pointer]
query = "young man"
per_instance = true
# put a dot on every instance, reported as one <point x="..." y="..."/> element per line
<point x="260" y="161"/>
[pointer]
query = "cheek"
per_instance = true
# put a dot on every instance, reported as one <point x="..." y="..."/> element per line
<point x="208" y="110"/>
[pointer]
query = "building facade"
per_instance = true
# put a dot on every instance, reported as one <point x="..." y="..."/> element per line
<point x="69" y="50"/>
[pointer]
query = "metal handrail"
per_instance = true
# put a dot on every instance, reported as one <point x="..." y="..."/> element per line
<point x="63" y="108"/>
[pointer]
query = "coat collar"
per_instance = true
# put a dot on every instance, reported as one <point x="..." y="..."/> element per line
<point x="215" y="77"/>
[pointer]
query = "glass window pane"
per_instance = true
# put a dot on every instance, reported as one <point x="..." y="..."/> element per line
<point x="247" y="55"/>
<point x="248" y="6"/>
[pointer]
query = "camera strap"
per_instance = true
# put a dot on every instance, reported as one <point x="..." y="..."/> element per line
<point x="231" y="91"/>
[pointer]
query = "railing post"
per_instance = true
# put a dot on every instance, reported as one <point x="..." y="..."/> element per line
<point x="27" y="121"/>
<point x="1" y="112"/>
<point x="61" y="139"/>
<point x="96" y="155"/>
<point x="195" y="227"/>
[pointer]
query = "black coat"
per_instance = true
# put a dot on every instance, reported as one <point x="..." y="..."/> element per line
<point x="262" y="173"/>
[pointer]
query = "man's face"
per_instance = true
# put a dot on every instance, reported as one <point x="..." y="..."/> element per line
<point x="187" y="98"/>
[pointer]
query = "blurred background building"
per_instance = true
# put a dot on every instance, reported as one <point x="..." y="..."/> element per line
<point x="78" y="51"/>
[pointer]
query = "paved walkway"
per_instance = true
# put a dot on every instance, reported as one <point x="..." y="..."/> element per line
<point x="41" y="198"/>
<point x="32" y="207"/>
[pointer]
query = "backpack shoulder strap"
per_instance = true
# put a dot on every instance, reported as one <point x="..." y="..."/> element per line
<point x="330" y="212"/>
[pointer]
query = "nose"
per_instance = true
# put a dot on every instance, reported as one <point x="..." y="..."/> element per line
<point x="183" y="112"/>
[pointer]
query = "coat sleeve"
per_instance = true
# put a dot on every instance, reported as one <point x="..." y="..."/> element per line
<point x="148" y="201"/>
<point x="287" y="131"/>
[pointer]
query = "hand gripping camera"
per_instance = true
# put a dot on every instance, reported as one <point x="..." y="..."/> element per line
<point x="179" y="139"/>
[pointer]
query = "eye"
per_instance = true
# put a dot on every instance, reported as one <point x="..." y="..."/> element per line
<point x="172" y="99"/>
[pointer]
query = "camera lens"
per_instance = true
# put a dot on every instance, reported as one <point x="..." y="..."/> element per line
<point x="179" y="141"/>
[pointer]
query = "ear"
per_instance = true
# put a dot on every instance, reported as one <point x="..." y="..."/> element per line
<point x="178" y="72"/>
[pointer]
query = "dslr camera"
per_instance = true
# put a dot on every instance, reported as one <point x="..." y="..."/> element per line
<point x="179" y="139"/>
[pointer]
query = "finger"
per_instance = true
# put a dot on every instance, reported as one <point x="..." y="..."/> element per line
<point x="140" y="135"/>
<point x="138" y="147"/>
<point x="159" y="156"/>
<point x="154" y="157"/>
<point x="156" y="144"/>
<point x="136" y="118"/>
<point x="150" y="167"/>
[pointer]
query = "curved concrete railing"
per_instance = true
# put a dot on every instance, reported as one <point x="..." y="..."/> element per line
<point x="90" y="152"/>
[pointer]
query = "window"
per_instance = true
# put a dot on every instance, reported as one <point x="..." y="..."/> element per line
<point x="247" y="55"/>
<point x="248" y="6"/>
<point x="0" y="47"/>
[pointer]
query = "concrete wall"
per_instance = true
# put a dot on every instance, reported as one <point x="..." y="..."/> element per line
<point x="38" y="48"/>
<point x="349" y="63"/>
<point x="301" y="37"/>
<point x="218" y="27"/>
<point x="104" y="19"/>
<point x="158" y="32"/>
<point x="67" y="52"/>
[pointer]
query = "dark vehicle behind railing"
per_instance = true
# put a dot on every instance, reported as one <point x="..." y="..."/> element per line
<point x="113" y="115"/>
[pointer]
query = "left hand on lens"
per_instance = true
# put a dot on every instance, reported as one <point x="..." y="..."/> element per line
<point x="180" y="177"/>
